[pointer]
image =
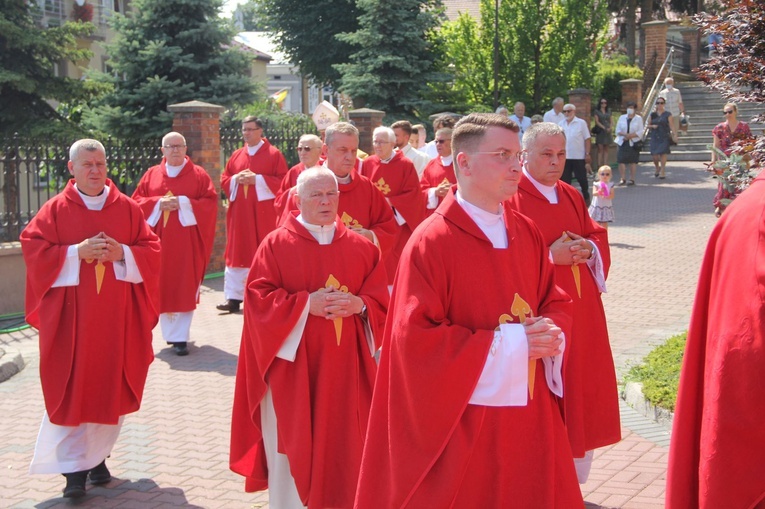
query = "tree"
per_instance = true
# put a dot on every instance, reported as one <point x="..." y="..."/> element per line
<point x="166" y="52"/>
<point x="393" y="61"/>
<point x="306" y="31"/>
<point x="547" y="47"/>
<point x="248" y="17"/>
<point x="28" y="56"/>
<point x="738" y="67"/>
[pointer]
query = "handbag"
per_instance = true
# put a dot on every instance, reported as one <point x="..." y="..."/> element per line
<point x="638" y="145"/>
<point x="596" y="130"/>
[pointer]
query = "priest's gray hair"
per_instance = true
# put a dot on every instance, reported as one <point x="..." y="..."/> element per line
<point x="548" y="128"/>
<point x="172" y="134"/>
<point x="85" y="144"/>
<point x="387" y="130"/>
<point x="340" y="128"/>
<point x="310" y="139"/>
<point x="309" y="175"/>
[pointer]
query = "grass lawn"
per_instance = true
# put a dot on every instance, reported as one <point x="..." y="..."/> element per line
<point x="660" y="372"/>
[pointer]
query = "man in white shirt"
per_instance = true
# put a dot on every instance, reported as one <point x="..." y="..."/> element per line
<point x="577" y="150"/>
<point x="403" y="131"/>
<point x="674" y="100"/>
<point x="555" y="115"/>
<point x="520" y="118"/>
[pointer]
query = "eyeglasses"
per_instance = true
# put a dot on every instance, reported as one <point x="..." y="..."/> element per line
<point x="659" y="102"/>
<point x="174" y="147"/>
<point x="728" y="112"/>
<point x="250" y="129"/>
<point x="440" y="142"/>
<point x="380" y="142"/>
<point x="504" y="155"/>
<point x="567" y="111"/>
<point x="304" y="149"/>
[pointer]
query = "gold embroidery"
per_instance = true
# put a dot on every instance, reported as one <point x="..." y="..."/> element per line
<point x="332" y="282"/>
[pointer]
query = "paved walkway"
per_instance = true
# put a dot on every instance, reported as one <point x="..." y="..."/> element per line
<point x="174" y="451"/>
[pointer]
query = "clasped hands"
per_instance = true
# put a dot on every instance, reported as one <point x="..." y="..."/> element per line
<point x="101" y="247"/>
<point x="169" y="203"/>
<point x="571" y="252"/>
<point x="543" y="337"/>
<point x="245" y="178"/>
<point x="331" y="303"/>
<point x="442" y="189"/>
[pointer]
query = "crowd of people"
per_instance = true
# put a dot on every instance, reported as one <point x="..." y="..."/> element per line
<point x="423" y="327"/>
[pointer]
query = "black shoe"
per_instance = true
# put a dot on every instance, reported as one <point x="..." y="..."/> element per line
<point x="180" y="349"/>
<point x="231" y="305"/>
<point x="75" y="484"/>
<point x="100" y="474"/>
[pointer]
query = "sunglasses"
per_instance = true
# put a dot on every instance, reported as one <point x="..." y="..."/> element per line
<point x="567" y="111"/>
<point x="439" y="142"/>
<point x="304" y="149"/>
<point x="605" y="174"/>
<point x="659" y="102"/>
<point x="728" y="112"/>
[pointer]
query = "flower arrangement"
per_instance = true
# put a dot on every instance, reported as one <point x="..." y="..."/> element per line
<point x="82" y="12"/>
<point x="734" y="173"/>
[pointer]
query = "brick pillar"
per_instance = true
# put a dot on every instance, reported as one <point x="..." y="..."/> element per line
<point x="632" y="90"/>
<point x="655" y="46"/>
<point x="692" y="38"/>
<point x="199" y="123"/>
<point x="582" y="99"/>
<point x="366" y="121"/>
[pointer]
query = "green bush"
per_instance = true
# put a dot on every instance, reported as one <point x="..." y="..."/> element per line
<point x="608" y="76"/>
<point x="660" y="372"/>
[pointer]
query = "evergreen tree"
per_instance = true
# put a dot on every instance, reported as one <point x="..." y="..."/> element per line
<point x="307" y="31"/>
<point x="393" y="63"/>
<point x="28" y="54"/>
<point x="166" y="52"/>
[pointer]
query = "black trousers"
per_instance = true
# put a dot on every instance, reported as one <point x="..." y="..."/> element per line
<point x="577" y="169"/>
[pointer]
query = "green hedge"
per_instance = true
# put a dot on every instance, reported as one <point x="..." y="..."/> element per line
<point x="660" y="372"/>
<point x="608" y="76"/>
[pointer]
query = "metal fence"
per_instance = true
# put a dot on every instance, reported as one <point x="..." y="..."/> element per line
<point x="681" y="57"/>
<point x="33" y="170"/>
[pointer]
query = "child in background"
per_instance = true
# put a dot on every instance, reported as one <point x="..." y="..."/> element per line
<point x="601" y="208"/>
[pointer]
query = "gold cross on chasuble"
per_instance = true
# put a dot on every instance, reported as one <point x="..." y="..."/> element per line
<point x="520" y="308"/>
<point x="166" y="213"/>
<point x="349" y="222"/>
<point x="100" y="269"/>
<point x="332" y="282"/>
<point x="382" y="186"/>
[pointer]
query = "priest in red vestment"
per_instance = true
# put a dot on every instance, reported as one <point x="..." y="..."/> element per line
<point x="717" y="451"/>
<point x="251" y="180"/>
<point x="438" y="176"/>
<point x="313" y="320"/>
<point x="309" y="152"/>
<point x="92" y="271"/>
<point x="180" y="203"/>
<point x="362" y="207"/>
<point x="396" y="177"/>
<point x="466" y="409"/>
<point x="580" y="252"/>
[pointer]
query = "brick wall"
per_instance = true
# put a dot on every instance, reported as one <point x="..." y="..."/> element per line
<point x="199" y="123"/>
<point x="632" y="90"/>
<point x="366" y="120"/>
<point x="655" y="45"/>
<point x="582" y="99"/>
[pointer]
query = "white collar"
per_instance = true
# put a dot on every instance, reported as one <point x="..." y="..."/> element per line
<point x="491" y="224"/>
<point x="173" y="171"/>
<point x="446" y="161"/>
<point x="322" y="233"/>
<point x="254" y="150"/>
<point x="549" y="192"/>
<point x="94" y="202"/>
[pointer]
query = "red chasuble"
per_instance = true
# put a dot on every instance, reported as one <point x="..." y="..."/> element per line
<point x="288" y="182"/>
<point x="95" y="343"/>
<point x="248" y="220"/>
<point x="361" y="204"/>
<point x="590" y="395"/>
<point x="398" y="181"/>
<point x="322" y="398"/>
<point x="185" y="249"/>
<point x="717" y="452"/>
<point x="426" y="446"/>
<point x="434" y="174"/>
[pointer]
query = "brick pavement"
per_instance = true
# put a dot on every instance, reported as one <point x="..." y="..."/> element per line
<point x="174" y="451"/>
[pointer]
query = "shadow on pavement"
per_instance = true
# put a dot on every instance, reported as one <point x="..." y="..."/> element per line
<point x="105" y="496"/>
<point x="204" y="358"/>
